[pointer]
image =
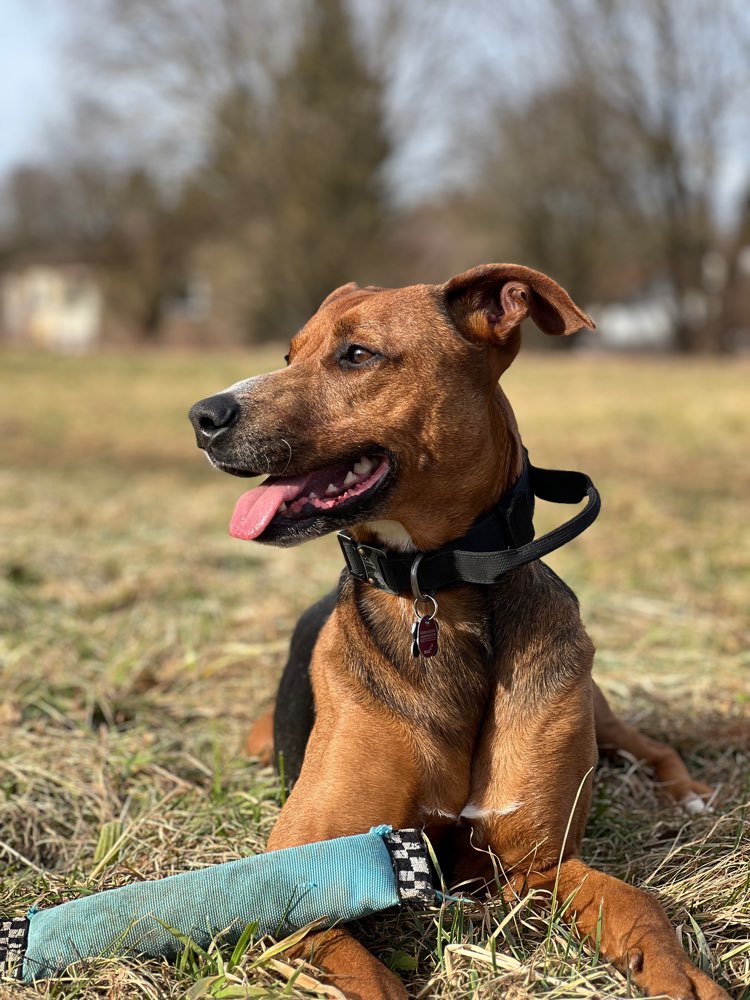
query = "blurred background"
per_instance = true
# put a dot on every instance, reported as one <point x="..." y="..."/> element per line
<point x="181" y="184"/>
<point x="189" y="173"/>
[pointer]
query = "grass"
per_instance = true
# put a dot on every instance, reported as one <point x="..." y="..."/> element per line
<point x="139" y="640"/>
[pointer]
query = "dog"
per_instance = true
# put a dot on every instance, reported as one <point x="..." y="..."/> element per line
<point x="389" y="423"/>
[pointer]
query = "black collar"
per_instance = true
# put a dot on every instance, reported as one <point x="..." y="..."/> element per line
<point x="499" y="541"/>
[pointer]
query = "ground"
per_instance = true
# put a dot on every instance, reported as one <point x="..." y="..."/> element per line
<point x="139" y="641"/>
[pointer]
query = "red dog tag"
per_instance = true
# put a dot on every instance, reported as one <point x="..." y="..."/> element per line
<point x="425" y="632"/>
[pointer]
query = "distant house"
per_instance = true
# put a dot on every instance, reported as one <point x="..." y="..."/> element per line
<point x="648" y="322"/>
<point x="645" y="324"/>
<point x="57" y="306"/>
<point x="62" y="305"/>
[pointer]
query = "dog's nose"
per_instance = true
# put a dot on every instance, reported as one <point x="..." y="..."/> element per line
<point x="213" y="417"/>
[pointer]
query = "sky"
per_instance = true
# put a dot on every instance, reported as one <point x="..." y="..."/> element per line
<point x="33" y="91"/>
<point x="36" y="86"/>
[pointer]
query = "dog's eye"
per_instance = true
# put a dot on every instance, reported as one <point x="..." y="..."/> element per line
<point x="356" y="355"/>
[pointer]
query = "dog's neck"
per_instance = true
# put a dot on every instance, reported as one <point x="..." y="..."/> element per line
<point x="505" y="453"/>
<point x="391" y="535"/>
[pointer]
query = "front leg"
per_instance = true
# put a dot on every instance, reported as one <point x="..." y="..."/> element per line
<point x="530" y="808"/>
<point x="356" y="774"/>
<point x="349" y="966"/>
<point x="359" y="771"/>
<point x="634" y="931"/>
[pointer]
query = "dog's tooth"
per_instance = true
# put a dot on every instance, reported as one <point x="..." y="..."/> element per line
<point x="350" y="478"/>
<point x="283" y="506"/>
<point x="331" y="489"/>
<point x="363" y="466"/>
<point x="312" y="496"/>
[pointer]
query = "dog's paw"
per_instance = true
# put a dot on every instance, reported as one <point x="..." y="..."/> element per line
<point x="698" y="799"/>
<point x="672" y="975"/>
<point x="259" y="742"/>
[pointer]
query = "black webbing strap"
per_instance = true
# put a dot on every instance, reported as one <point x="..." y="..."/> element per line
<point x="14" y="933"/>
<point x="483" y="563"/>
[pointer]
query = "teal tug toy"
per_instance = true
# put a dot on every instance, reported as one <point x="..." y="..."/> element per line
<point x="333" y="881"/>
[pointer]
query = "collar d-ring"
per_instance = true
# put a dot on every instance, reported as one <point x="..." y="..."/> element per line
<point x="414" y="577"/>
<point x="419" y="597"/>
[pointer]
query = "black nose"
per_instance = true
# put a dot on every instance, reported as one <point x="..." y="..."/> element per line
<point x="213" y="417"/>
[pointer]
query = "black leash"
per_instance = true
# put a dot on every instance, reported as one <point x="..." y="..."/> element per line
<point x="500" y="541"/>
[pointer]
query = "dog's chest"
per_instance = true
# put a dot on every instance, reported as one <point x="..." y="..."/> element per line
<point x="443" y="694"/>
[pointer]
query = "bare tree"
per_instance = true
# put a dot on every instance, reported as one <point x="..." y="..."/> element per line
<point x="262" y="126"/>
<point x="325" y="148"/>
<point x="295" y="146"/>
<point x="148" y="77"/>
<point x="620" y="154"/>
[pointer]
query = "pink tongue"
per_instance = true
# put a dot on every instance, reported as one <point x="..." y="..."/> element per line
<point x="255" y="509"/>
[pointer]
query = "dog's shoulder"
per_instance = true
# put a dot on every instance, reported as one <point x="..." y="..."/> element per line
<point x="539" y="635"/>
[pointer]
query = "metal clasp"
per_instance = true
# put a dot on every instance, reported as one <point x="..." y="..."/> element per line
<point x="365" y="562"/>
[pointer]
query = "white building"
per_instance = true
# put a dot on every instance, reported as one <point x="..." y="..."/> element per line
<point x="54" y="306"/>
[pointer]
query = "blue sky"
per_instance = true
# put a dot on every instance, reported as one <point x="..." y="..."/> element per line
<point x="33" y="90"/>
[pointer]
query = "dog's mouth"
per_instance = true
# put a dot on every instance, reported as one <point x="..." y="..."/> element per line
<point x="311" y="503"/>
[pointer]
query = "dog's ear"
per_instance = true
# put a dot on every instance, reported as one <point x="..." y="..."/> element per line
<point x="489" y="302"/>
<point x="349" y="289"/>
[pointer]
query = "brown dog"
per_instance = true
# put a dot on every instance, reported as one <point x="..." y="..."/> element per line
<point x="389" y="421"/>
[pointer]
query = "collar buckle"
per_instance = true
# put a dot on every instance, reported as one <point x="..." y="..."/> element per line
<point x="366" y="563"/>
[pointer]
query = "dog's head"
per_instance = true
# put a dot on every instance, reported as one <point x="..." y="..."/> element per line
<point x="388" y="410"/>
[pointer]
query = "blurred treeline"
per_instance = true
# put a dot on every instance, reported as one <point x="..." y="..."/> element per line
<point x="253" y="154"/>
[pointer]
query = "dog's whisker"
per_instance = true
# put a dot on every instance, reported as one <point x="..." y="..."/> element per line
<point x="284" y="441"/>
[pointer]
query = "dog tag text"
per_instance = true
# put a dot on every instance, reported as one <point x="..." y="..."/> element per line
<point x="424" y="637"/>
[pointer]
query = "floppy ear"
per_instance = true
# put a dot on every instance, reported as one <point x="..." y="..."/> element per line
<point x="489" y="302"/>
<point x="337" y="293"/>
<point x="349" y="289"/>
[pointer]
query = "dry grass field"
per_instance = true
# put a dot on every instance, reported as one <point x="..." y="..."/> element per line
<point x="139" y="640"/>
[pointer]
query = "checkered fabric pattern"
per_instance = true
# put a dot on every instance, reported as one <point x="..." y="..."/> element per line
<point x="411" y="863"/>
<point x="13" y="935"/>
